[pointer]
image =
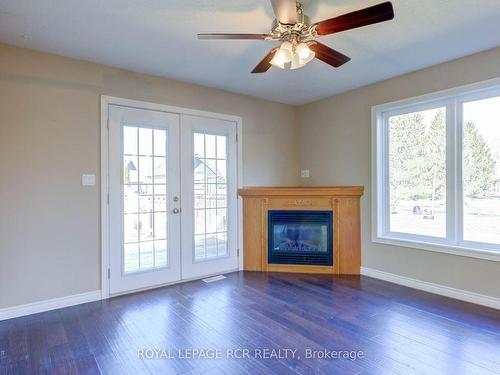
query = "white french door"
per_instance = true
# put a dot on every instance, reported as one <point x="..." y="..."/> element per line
<point x="172" y="197"/>
<point x="209" y="187"/>
<point x="144" y="191"/>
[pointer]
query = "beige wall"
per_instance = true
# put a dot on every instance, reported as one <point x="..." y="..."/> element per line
<point x="335" y="144"/>
<point x="49" y="136"/>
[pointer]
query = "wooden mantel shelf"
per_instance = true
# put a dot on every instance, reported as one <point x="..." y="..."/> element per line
<point x="342" y="201"/>
<point x="265" y="191"/>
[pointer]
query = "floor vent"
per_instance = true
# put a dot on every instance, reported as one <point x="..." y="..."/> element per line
<point x="214" y="278"/>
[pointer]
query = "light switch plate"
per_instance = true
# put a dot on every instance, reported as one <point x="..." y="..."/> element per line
<point x="88" y="179"/>
<point x="304" y="173"/>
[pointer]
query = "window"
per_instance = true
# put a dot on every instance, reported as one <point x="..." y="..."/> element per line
<point x="437" y="172"/>
<point x="481" y="170"/>
<point x="417" y="172"/>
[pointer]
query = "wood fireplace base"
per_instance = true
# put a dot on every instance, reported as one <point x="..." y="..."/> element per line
<point x="342" y="201"/>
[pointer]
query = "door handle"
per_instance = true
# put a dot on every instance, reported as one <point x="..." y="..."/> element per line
<point x="176" y="211"/>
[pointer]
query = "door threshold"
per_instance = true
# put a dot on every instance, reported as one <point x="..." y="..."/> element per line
<point x="133" y="291"/>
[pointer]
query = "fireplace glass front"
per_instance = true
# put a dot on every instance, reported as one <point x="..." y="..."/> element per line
<point x="300" y="237"/>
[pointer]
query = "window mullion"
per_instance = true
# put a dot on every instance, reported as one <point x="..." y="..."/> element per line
<point x="385" y="201"/>
<point x="459" y="175"/>
<point x="451" y="172"/>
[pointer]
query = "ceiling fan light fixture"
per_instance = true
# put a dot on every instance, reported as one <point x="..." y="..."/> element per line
<point x="296" y="61"/>
<point x="279" y="60"/>
<point x="283" y="55"/>
<point x="304" y="52"/>
<point x="293" y="53"/>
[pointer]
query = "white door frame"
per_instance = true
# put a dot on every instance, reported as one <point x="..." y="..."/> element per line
<point x="106" y="101"/>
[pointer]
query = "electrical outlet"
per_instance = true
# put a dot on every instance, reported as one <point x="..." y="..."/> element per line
<point x="88" y="179"/>
<point x="304" y="173"/>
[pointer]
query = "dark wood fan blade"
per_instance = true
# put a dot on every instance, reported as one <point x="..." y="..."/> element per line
<point x="265" y="63"/>
<point x="377" y="13"/>
<point x="285" y="11"/>
<point x="328" y="55"/>
<point x="232" y="36"/>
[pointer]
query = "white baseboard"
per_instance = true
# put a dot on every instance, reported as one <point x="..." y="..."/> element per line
<point x="463" y="295"/>
<point x="76" y="299"/>
<point x="51" y="304"/>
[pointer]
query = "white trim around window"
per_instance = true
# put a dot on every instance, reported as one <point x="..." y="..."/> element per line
<point x="452" y="100"/>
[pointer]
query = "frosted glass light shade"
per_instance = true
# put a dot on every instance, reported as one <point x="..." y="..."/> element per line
<point x="296" y="63"/>
<point x="283" y="55"/>
<point x="297" y="55"/>
<point x="305" y="53"/>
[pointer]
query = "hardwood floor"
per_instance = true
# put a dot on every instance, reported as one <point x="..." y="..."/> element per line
<point x="391" y="329"/>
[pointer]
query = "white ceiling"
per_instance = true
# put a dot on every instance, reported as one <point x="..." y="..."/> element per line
<point x="159" y="37"/>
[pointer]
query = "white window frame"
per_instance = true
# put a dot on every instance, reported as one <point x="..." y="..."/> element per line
<point x="452" y="100"/>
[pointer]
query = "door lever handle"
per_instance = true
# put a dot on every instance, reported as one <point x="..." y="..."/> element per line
<point x="176" y="211"/>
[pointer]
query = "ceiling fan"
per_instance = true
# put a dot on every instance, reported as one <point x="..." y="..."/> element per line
<point x="297" y="34"/>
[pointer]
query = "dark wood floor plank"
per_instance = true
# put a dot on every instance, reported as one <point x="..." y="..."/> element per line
<point x="400" y="330"/>
<point x="251" y="337"/>
<point x="227" y="325"/>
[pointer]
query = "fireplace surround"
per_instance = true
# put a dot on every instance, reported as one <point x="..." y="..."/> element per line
<point x="259" y="203"/>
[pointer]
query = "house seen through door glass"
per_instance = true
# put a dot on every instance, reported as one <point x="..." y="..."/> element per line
<point x="144" y="198"/>
<point x="210" y="196"/>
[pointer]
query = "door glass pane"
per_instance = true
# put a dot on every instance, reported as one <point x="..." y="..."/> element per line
<point x="159" y="170"/>
<point x="417" y="173"/>
<point x="130" y="228"/>
<point x="160" y="142"/>
<point x="199" y="246"/>
<point x="144" y="199"/>
<point x="145" y="227"/>
<point x="131" y="257"/>
<point x="210" y="146"/>
<point x="221" y="168"/>
<point x="211" y="245"/>
<point x="210" y="196"/>
<point x="160" y="252"/>
<point x="145" y="169"/>
<point x="221" y="220"/>
<point x="160" y="226"/>
<point x="146" y="253"/>
<point x="145" y="203"/>
<point x="130" y="140"/>
<point x="145" y="141"/>
<point x="221" y="244"/>
<point x="481" y="170"/>
<point x="130" y="164"/>
<point x="130" y="199"/>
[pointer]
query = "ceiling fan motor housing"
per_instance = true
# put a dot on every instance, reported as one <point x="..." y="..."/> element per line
<point x="297" y="31"/>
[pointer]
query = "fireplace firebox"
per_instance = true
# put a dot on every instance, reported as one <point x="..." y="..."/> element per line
<point x="300" y="237"/>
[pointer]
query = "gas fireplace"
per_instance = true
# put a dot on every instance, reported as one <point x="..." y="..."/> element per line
<point x="300" y="237"/>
